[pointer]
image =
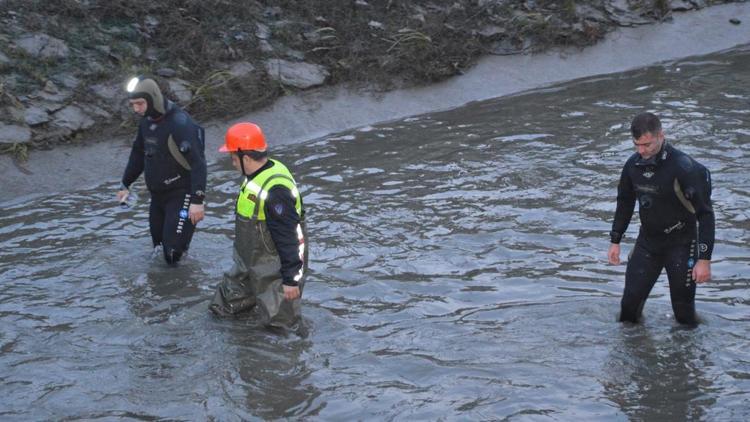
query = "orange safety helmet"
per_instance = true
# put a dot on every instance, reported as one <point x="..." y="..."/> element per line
<point x="244" y="137"/>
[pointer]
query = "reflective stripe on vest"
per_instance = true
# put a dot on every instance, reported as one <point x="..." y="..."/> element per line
<point x="251" y="202"/>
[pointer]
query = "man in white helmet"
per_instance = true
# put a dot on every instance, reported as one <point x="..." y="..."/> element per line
<point x="169" y="150"/>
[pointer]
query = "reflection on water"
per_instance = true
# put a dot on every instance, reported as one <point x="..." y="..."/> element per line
<point x="660" y="378"/>
<point x="458" y="272"/>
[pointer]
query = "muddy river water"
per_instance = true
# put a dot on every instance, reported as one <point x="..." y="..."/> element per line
<point x="458" y="272"/>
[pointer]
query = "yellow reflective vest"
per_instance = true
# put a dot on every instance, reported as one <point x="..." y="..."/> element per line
<point x="251" y="202"/>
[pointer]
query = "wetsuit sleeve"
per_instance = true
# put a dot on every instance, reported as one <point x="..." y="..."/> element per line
<point x="282" y="221"/>
<point x="696" y="185"/>
<point x="135" y="163"/>
<point x="191" y="135"/>
<point x="625" y="205"/>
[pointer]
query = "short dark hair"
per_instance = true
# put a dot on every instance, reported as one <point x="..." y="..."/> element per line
<point x="257" y="155"/>
<point x="254" y="154"/>
<point x="645" y="122"/>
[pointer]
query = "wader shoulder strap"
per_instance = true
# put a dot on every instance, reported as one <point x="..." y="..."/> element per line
<point x="260" y="202"/>
<point x="276" y="176"/>
<point x="297" y="196"/>
<point x="682" y="198"/>
<point x="177" y="154"/>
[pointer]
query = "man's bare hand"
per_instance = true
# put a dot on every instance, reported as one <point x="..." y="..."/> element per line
<point x="702" y="271"/>
<point x="122" y="195"/>
<point x="196" y="212"/>
<point x="614" y="254"/>
<point x="291" y="292"/>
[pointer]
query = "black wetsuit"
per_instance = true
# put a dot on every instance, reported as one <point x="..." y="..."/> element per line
<point x="173" y="188"/>
<point x="674" y="195"/>
<point x="282" y="221"/>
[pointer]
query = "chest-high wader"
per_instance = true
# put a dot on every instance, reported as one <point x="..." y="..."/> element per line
<point x="255" y="277"/>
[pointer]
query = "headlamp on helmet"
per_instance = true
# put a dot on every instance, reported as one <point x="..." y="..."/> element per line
<point x="132" y="84"/>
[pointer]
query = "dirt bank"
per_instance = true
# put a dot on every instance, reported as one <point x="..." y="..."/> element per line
<point x="316" y="112"/>
<point x="63" y="63"/>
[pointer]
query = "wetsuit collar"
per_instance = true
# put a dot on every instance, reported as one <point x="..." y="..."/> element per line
<point x="168" y="109"/>
<point x="656" y="158"/>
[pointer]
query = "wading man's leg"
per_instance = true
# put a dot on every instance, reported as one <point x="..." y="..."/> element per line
<point x="177" y="229"/>
<point x="234" y="295"/>
<point x="642" y="271"/>
<point x="156" y="219"/>
<point x="679" y="265"/>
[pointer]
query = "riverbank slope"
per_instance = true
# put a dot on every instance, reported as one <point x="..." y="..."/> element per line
<point x="310" y="114"/>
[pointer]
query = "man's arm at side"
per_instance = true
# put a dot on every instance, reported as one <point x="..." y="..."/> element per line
<point x="623" y="214"/>
<point x="282" y="221"/>
<point x="698" y="192"/>
<point x="134" y="167"/>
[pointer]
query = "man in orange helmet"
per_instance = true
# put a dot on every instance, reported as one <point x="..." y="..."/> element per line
<point x="270" y="255"/>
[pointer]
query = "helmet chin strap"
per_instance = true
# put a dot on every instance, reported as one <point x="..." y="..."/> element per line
<point x="241" y="155"/>
<point x="256" y="156"/>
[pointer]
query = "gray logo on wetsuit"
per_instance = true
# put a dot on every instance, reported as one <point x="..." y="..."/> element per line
<point x="647" y="188"/>
<point x="174" y="179"/>
<point x="645" y="201"/>
<point x="678" y="226"/>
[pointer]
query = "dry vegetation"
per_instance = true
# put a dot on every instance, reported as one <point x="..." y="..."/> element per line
<point x="380" y="44"/>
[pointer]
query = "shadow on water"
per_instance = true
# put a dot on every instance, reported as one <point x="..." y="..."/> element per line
<point x="661" y="374"/>
<point x="269" y="374"/>
<point x="457" y="272"/>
